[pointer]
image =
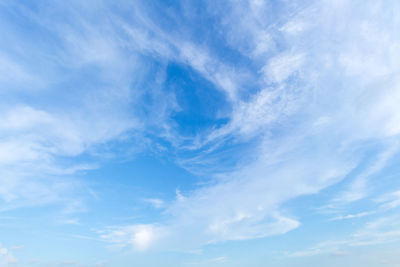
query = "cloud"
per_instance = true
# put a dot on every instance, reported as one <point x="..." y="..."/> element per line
<point x="6" y="258"/>
<point x="319" y="109"/>
<point x="352" y="216"/>
<point x="141" y="237"/>
<point x="311" y="92"/>
<point x="207" y="262"/>
<point x="246" y="204"/>
<point x="281" y="67"/>
<point x="379" y="231"/>
<point x="85" y="103"/>
<point x="155" y="202"/>
<point x="17" y="247"/>
<point x="72" y="221"/>
<point x="358" y="189"/>
<point x="389" y="200"/>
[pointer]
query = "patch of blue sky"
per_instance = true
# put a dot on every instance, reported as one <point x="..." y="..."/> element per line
<point x="201" y="105"/>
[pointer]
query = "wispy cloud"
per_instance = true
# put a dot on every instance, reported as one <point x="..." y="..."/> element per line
<point x="155" y="202"/>
<point x="310" y="95"/>
<point x="312" y="130"/>
<point x="389" y="200"/>
<point x="353" y="216"/>
<point x="207" y="262"/>
<point x="6" y="257"/>
<point x="379" y="231"/>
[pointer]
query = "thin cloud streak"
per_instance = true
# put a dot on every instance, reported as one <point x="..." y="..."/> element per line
<point x="321" y="146"/>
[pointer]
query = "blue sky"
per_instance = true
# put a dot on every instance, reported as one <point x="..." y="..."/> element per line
<point x="199" y="133"/>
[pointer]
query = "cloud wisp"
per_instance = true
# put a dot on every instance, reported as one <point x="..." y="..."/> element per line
<point x="266" y="104"/>
<point x="318" y="113"/>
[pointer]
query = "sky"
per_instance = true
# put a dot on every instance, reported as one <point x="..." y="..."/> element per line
<point x="200" y="133"/>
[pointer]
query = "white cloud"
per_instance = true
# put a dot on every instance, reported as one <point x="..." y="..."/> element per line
<point x="306" y="68"/>
<point x="246" y="204"/>
<point x="389" y="200"/>
<point x="353" y="216"/>
<point x="74" y="115"/>
<point x="32" y="139"/>
<point x="359" y="188"/>
<point x="297" y="153"/>
<point x="15" y="74"/>
<point x="140" y="237"/>
<point x="207" y="262"/>
<point x="17" y="247"/>
<point x="155" y="202"/>
<point x="6" y="258"/>
<point x="72" y="221"/>
<point x="281" y="67"/>
<point x="379" y="231"/>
